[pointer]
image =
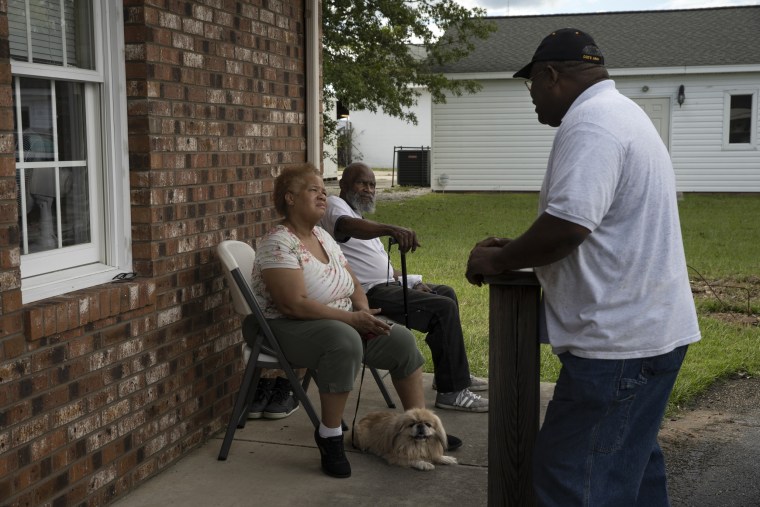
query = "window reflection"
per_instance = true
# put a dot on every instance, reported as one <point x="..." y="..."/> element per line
<point x="52" y="172"/>
<point x="740" y="125"/>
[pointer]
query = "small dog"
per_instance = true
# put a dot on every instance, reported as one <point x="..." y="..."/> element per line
<point x="415" y="438"/>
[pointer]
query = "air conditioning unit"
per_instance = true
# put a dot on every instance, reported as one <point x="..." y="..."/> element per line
<point x="414" y="168"/>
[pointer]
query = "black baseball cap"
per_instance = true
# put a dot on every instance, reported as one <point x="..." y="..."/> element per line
<point x="566" y="44"/>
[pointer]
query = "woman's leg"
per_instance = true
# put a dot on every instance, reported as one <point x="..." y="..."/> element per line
<point x="334" y="350"/>
<point x="409" y="390"/>
<point x="332" y="406"/>
<point x="331" y="348"/>
<point x="398" y="353"/>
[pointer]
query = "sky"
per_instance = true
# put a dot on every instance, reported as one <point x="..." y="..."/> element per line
<point x="530" y="7"/>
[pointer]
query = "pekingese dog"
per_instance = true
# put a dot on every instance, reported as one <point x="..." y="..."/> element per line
<point x="415" y="438"/>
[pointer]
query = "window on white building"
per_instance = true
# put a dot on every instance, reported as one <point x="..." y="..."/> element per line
<point x="69" y="126"/>
<point x="741" y="109"/>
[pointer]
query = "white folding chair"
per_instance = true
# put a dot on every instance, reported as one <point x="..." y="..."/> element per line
<point x="261" y="346"/>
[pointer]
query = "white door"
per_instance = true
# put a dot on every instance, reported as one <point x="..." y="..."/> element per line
<point x="658" y="111"/>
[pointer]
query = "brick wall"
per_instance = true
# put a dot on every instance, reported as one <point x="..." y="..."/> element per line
<point x="102" y="388"/>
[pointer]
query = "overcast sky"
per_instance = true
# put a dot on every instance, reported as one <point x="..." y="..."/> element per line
<point x="528" y="7"/>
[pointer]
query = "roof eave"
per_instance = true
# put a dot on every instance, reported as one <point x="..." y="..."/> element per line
<point x="638" y="71"/>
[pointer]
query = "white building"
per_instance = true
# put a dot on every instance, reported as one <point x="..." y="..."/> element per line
<point x="492" y="141"/>
<point x="376" y="134"/>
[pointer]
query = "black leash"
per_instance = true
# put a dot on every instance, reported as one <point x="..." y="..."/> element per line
<point x="358" y="396"/>
<point x="391" y="242"/>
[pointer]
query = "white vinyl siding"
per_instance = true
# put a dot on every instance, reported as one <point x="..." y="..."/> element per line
<point x="489" y="140"/>
<point x="492" y="141"/>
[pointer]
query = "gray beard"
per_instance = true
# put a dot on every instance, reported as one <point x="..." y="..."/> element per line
<point x="355" y="200"/>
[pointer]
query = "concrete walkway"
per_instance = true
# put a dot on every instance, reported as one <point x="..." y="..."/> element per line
<point x="276" y="463"/>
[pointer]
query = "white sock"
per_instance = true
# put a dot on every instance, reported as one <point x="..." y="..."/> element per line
<point x="326" y="432"/>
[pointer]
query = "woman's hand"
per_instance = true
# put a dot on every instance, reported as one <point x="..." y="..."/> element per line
<point x="365" y="322"/>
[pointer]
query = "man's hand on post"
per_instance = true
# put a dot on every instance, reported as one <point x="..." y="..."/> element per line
<point x="483" y="260"/>
<point x="492" y="241"/>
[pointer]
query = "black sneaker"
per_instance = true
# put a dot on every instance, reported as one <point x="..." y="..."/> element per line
<point x="261" y="398"/>
<point x="334" y="462"/>
<point x="282" y="403"/>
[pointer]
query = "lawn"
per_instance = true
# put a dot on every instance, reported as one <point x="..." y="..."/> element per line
<point x="721" y="238"/>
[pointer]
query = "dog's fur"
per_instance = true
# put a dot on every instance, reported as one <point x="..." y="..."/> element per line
<point x="415" y="438"/>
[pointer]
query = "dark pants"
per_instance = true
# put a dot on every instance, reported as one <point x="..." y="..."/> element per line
<point x="598" y="444"/>
<point x="436" y="314"/>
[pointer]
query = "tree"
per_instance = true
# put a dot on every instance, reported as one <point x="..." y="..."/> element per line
<point x="375" y="51"/>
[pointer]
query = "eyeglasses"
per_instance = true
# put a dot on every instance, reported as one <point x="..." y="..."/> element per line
<point x="529" y="82"/>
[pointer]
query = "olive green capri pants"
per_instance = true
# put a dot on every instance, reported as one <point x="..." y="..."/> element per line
<point x="334" y="349"/>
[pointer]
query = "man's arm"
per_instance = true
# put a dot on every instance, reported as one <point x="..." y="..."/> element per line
<point x="548" y="240"/>
<point x="361" y="228"/>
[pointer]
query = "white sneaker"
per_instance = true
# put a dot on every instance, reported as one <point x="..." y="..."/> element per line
<point x="477" y="384"/>
<point x="463" y="400"/>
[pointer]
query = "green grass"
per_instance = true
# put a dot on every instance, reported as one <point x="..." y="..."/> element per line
<point x="721" y="238"/>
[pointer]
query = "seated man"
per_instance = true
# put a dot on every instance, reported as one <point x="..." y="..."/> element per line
<point x="432" y="309"/>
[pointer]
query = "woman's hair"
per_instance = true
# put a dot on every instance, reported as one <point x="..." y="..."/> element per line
<point x="291" y="179"/>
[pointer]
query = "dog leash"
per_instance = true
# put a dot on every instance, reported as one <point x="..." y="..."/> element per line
<point x="358" y="395"/>
<point x="391" y="242"/>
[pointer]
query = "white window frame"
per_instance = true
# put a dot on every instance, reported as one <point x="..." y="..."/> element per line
<point x="752" y="145"/>
<point x="107" y="158"/>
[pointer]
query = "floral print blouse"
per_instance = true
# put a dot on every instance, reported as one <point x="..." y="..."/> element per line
<point x="330" y="284"/>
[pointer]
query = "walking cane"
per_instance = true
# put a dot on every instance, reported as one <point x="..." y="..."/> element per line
<point x="391" y="241"/>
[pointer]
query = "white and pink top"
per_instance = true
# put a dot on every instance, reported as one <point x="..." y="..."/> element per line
<point x="330" y="283"/>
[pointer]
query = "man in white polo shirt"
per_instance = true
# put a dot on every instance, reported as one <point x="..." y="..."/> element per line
<point x="607" y="249"/>
<point x="432" y="309"/>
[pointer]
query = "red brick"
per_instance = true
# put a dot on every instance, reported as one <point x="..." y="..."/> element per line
<point x="10" y="324"/>
<point x="13" y="346"/>
<point x="50" y="319"/>
<point x="61" y="317"/>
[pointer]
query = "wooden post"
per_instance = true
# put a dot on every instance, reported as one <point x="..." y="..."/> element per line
<point x="514" y="363"/>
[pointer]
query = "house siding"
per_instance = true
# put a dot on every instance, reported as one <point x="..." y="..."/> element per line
<point x="375" y="135"/>
<point x="488" y="141"/>
<point x="100" y="389"/>
<point x="492" y="141"/>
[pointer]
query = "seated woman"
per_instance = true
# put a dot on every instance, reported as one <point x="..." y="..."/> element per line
<point x="319" y="313"/>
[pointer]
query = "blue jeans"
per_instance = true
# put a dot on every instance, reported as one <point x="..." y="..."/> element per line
<point x="598" y="443"/>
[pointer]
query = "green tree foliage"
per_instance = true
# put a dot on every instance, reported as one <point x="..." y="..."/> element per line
<point x="369" y="61"/>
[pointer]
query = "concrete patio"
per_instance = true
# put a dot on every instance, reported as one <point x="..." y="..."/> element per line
<point x="276" y="463"/>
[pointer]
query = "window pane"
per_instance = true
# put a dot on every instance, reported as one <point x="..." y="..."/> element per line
<point x="47" y="39"/>
<point x="79" y="34"/>
<point x="17" y="30"/>
<point x="45" y="193"/>
<point x="70" y="108"/>
<point x="36" y="120"/>
<point x="75" y="206"/>
<point x="740" y="127"/>
<point x="41" y="223"/>
<point x="46" y="22"/>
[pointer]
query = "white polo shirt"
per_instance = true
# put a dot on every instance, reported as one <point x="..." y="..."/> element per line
<point x="624" y="292"/>
<point x="367" y="258"/>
